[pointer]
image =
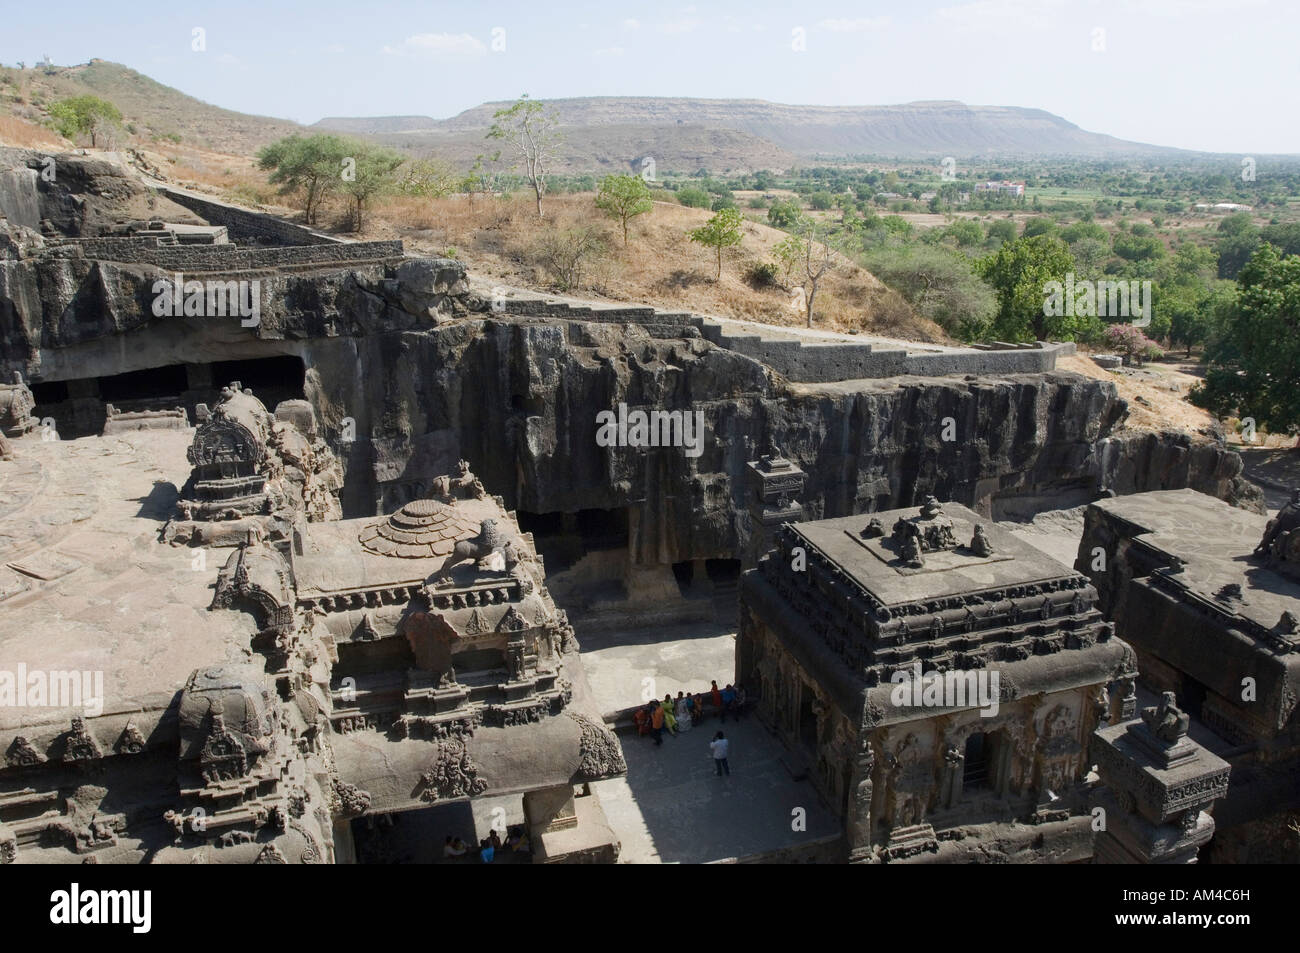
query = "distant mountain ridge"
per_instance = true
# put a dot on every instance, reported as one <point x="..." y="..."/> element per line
<point x="605" y="134"/>
<point x="918" y="129"/>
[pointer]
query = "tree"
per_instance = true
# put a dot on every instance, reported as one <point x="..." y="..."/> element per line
<point x="533" y="132"/>
<point x="1018" y="273"/>
<point x="372" y="173"/>
<point x="1255" y="363"/>
<point x="311" y="166"/>
<point x="719" y="232"/>
<point x="1038" y="226"/>
<point x="1132" y="343"/>
<point x="801" y="251"/>
<point x="1238" y="239"/>
<point x="783" y="214"/>
<point x="624" y="197"/>
<point x="86" y="116"/>
<point x="1000" y="232"/>
<point x="1285" y="238"/>
<point x="815" y="263"/>
<point x="1136" y="247"/>
<point x="965" y="232"/>
<point x="481" y="176"/>
<point x="1195" y="310"/>
<point x="430" y="178"/>
<point x="1089" y="253"/>
<point x="939" y="284"/>
<point x="693" y="197"/>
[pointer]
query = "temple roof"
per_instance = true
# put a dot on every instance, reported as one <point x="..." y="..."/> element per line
<point x="1217" y="568"/>
<point x="874" y="564"/>
<point x="419" y="530"/>
<point x="340" y="555"/>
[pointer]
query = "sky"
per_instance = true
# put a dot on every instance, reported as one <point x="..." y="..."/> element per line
<point x="1212" y="75"/>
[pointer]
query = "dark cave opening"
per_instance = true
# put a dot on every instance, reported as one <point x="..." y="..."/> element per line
<point x="564" y="538"/>
<point x="78" y="406"/>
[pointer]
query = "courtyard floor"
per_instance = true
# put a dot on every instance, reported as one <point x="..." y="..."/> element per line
<point x="671" y="807"/>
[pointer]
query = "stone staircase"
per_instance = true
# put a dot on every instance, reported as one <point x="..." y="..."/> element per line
<point x="910" y="841"/>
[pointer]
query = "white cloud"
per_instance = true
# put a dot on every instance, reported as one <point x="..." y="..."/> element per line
<point x="1001" y="14"/>
<point x="682" y="25"/>
<point x="438" y="44"/>
<point x="609" y="52"/>
<point x="334" y="48"/>
<point x="858" y="25"/>
<point x="1180" y="8"/>
<point x="631" y="24"/>
<point x="229" y="59"/>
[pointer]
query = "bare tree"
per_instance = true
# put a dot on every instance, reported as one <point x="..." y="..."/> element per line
<point x="815" y="257"/>
<point x="533" y="132"/>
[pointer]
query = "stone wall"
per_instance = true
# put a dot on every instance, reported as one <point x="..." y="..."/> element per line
<point x="223" y="259"/>
<point x="799" y="360"/>
<point x="244" y="225"/>
<point x="821" y="363"/>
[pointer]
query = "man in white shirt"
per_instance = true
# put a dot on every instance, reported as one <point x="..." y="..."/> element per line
<point x="719" y="746"/>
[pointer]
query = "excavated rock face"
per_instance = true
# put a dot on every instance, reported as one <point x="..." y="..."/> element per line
<point x="519" y="399"/>
<point x="406" y="378"/>
<point x="76" y="196"/>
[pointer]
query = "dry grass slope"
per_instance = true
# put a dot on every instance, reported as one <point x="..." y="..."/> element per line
<point x="501" y="239"/>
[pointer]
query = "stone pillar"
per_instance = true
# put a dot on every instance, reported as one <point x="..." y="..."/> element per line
<point x="1157" y="785"/>
<point x="954" y="769"/>
<point x="776" y="484"/>
<point x="862" y="790"/>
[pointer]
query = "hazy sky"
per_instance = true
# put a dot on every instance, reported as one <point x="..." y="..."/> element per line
<point x="1218" y="75"/>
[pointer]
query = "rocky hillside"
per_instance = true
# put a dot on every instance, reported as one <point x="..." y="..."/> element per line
<point x="151" y="109"/>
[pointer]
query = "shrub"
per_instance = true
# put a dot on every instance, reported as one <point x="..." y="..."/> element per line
<point x="565" y="255"/>
<point x="1132" y="343"/>
<point x="693" y="197"/>
<point x="762" y="274"/>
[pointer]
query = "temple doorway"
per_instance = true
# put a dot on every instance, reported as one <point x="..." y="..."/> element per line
<point x="976" y="772"/>
<point x="807" y="719"/>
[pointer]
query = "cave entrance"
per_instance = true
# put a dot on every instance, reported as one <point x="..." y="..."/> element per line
<point x="78" y="406"/>
<point x="562" y="539"/>
<point x="271" y="379"/>
<point x="684" y="573"/>
<point x="725" y="576"/>
<point x="976" y="766"/>
<point x="1192" y="696"/>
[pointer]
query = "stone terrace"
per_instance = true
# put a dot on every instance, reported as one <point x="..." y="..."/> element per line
<point x="802" y="355"/>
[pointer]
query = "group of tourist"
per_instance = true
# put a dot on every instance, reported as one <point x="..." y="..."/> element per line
<point x="686" y="711"/>
<point x="516" y="839"/>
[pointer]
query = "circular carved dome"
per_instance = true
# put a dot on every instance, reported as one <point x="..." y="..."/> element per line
<point x="419" y="530"/>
